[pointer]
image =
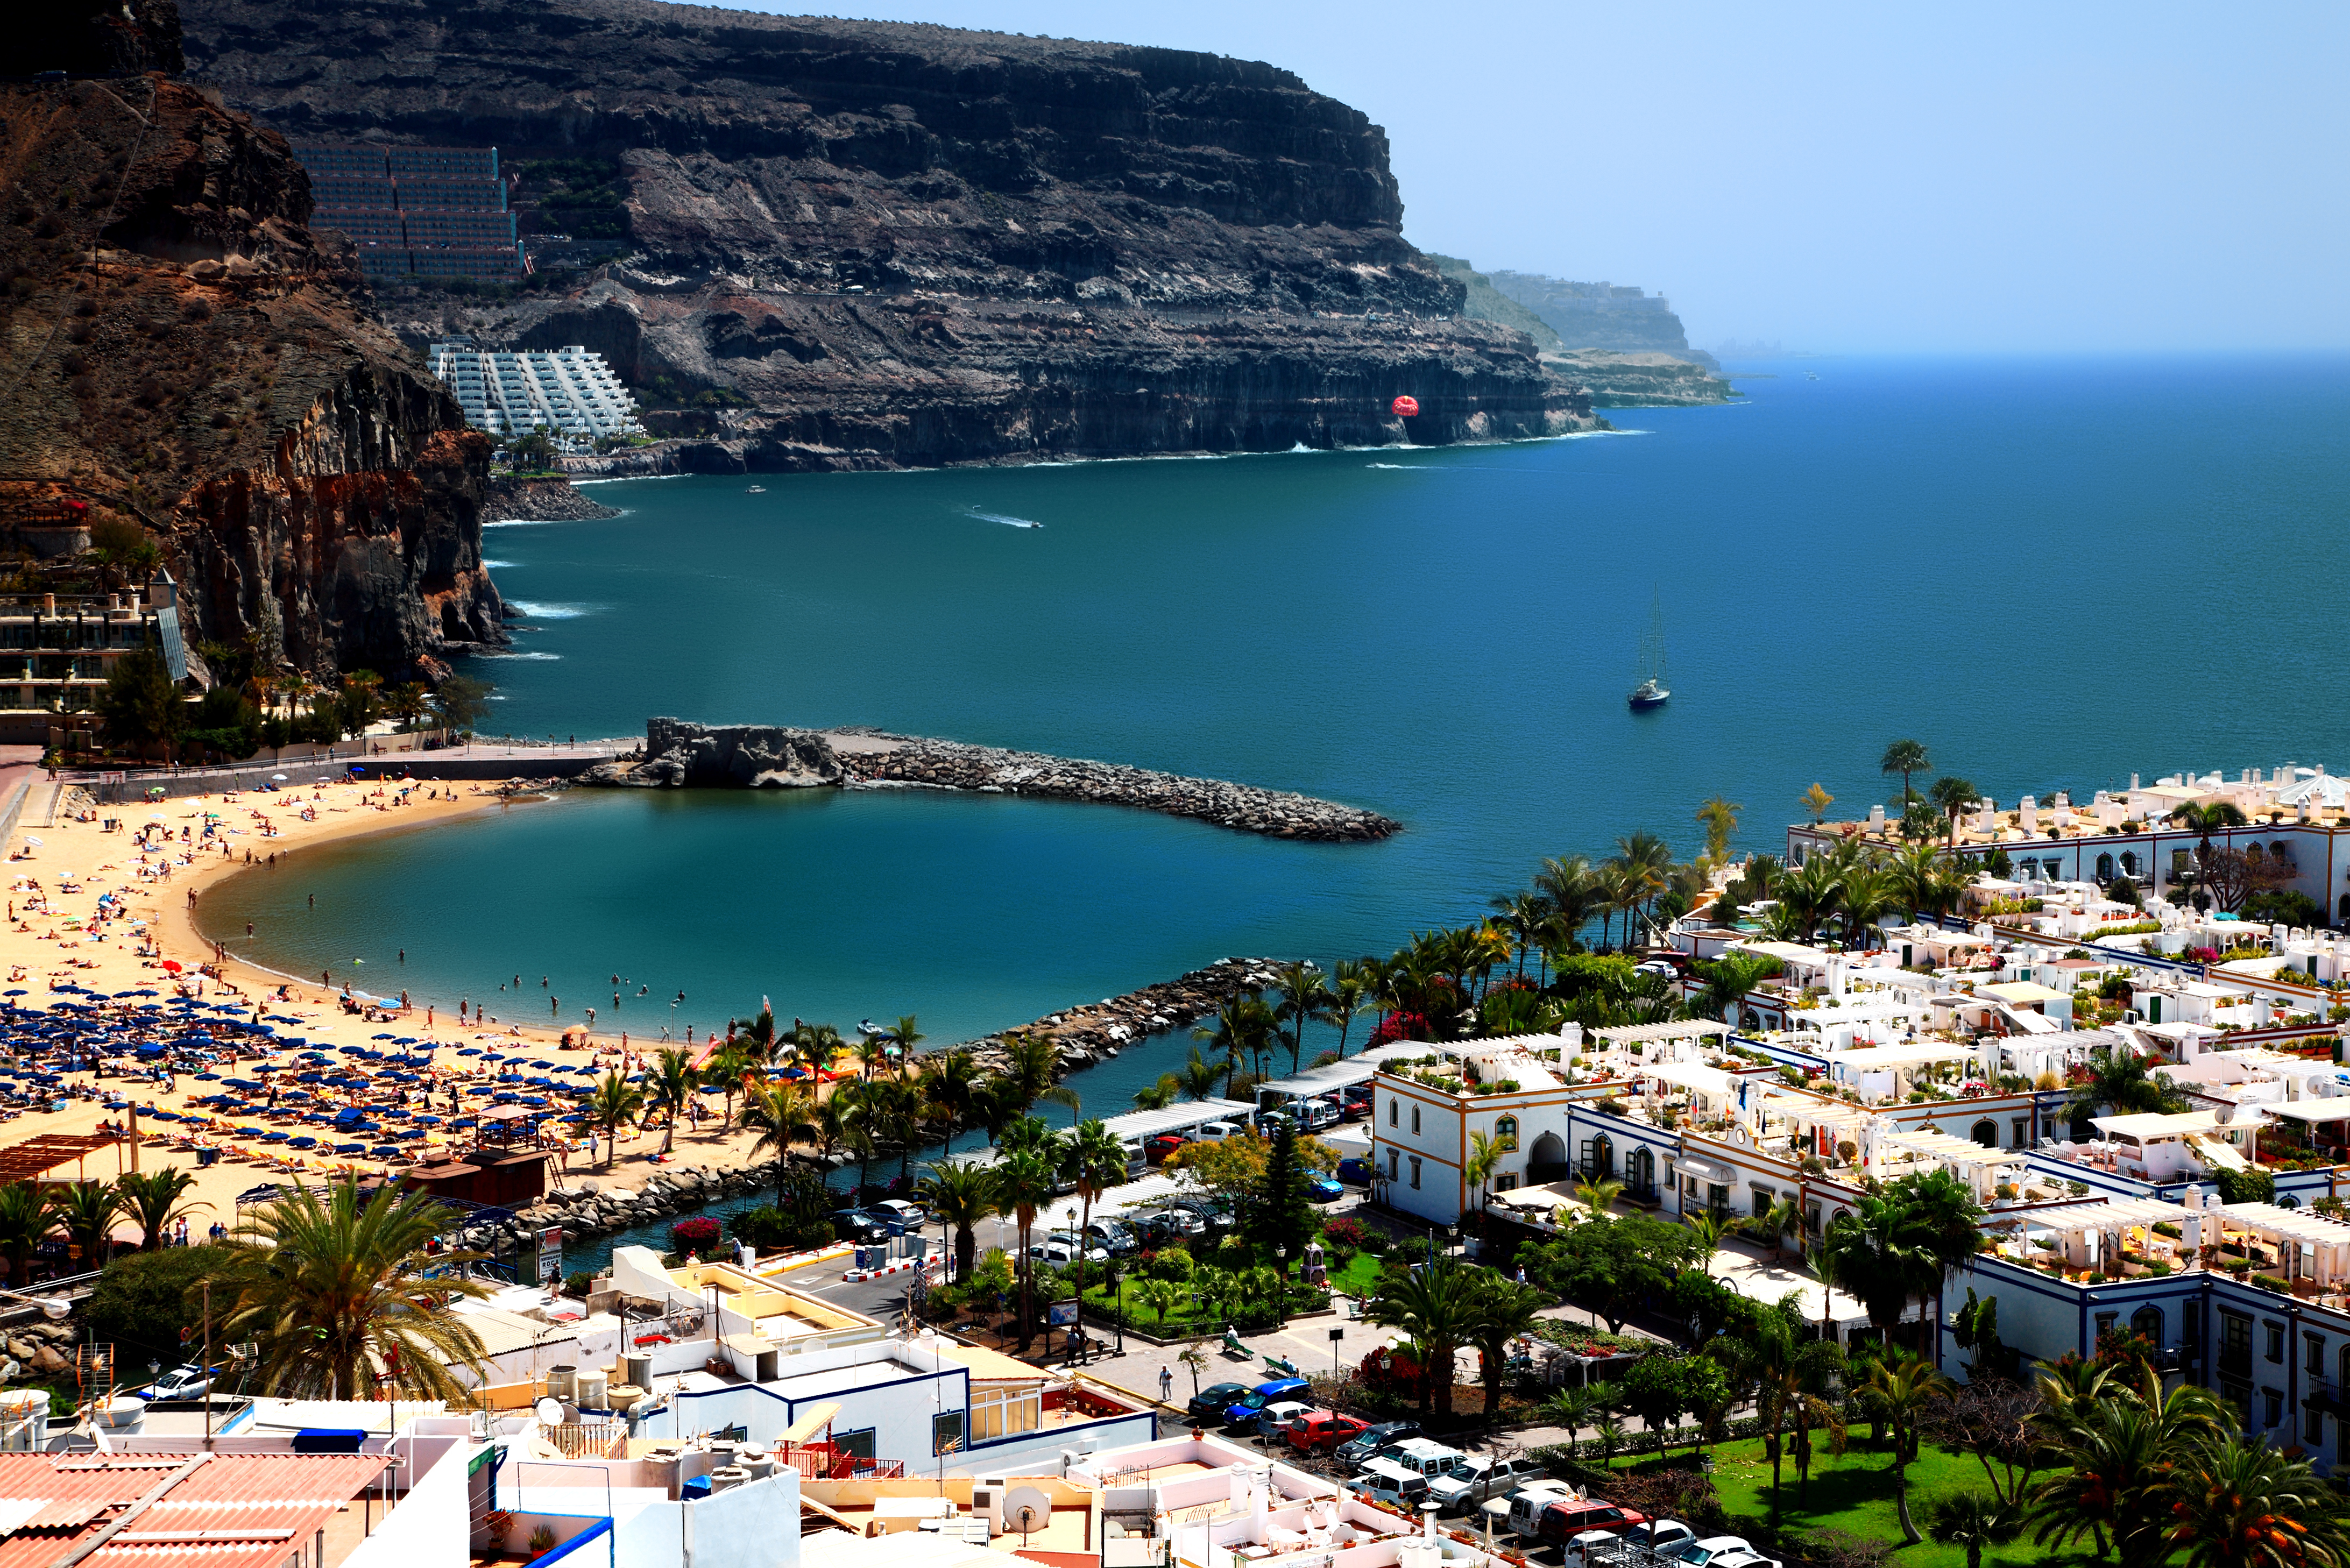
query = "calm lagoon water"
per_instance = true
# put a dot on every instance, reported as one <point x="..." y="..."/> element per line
<point x="2053" y="572"/>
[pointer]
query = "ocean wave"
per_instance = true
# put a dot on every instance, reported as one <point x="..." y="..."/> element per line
<point x="1000" y="517"/>
<point x="494" y="566"/>
<point x="538" y="611"/>
<point x="1399" y="465"/>
<point x="629" y="479"/>
<point x="516" y="523"/>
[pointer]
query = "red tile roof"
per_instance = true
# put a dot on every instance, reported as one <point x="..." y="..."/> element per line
<point x="233" y="1510"/>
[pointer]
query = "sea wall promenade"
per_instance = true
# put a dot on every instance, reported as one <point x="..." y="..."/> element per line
<point x="682" y="754"/>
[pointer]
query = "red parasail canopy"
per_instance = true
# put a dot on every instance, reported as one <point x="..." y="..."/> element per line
<point x="1405" y="407"/>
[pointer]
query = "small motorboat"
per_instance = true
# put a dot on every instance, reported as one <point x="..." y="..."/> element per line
<point x="762" y="490"/>
<point x="1652" y="691"/>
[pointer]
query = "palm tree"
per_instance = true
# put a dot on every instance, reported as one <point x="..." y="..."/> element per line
<point x="729" y="1067"/>
<point x="670" y="1084"/>
<point x="2206" y="819"/>
<point x="950" y="1083"/>
<point x="1484" y="1157"/>
<point x="1610" y="1433"/>
<point x="1200" y="1078"/>
<point x="1435" y="1305"/>
<point x="88" y="1209"/>
<point x="1502" y="1311"/>
<point x="905" y="1037"/>
<point x="26" y="1217"/>
<point x="1158" y="1297"/>
<point x="1864" y="893"/>
<point x="612" y="1106"/>
<point x="1350" y="992"/>
<point x="1811" y="892"/>
<point x="1195" y="1361"/>
<point x="895" y="1107"/>
<point x="833" y="1123"/>
<point x="1305" y="998"/>
<point x="778" y="1112"/>
<point x="2118" y="1452"/>
<point x="2121" y="1078"/>
<point x="1905" y="757"/>
<point x="1158" y="1096"/>
<point x="1571" y="1408"/>
<point x="1094" y="1161"/>
<point x="1726" y="982"/>
<point x="345" y="1300"/>
<point x="1710" y="1225"/>
<point x="1780" y="1220"/>
<point x="1899" y="1393"/>
<point x="1599" y="1196"/>
<point x="1568" y="885"/>
<point x="872" y="1054"/>
<point x="1024" y="1181"/>
<point x="959" y="1196"/>
<point x="1953" y="795"/>
<point x="858" y="1130"/>
<point x="1971" y="1520"/>
<point x="2240" y="1504"/>
<point x="1720" y="818"/>
<point x="1239" y="1033"/>
<point x="153" y="1198"/>
<point x="1029" y="1062"/>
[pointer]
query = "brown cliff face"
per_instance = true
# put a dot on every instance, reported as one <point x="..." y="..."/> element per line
<point x="1059" y="248"/>
<point x="181" y="350"/>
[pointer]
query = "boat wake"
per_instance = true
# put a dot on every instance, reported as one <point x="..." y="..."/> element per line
<point x="537" y="611"/>
<point x="535" y="658"/>
<point x="1007" y="522"/>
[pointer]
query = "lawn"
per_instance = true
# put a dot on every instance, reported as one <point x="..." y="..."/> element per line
<point x="1855" y="1493"/>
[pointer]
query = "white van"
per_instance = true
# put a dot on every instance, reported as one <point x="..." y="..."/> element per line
<point x="1216" y="1132"/>
<point x="1527" y="1507"/>
<point x="1427" y="1459"/>
<point x="1384" y="1480"/>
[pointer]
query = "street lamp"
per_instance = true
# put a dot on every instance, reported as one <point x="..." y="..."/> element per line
<point x="1281" y="1303"/>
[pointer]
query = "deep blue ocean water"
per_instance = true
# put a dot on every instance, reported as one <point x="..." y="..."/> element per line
<point x="2053" y="573"/>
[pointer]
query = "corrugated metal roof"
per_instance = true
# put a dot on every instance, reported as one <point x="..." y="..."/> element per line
<point x="233" y="1511"/>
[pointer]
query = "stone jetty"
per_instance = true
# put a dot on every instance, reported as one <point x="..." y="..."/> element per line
<point x="682" y="754"/>
<point x="1084" y="1035"/>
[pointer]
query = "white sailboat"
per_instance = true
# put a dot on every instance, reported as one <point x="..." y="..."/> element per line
<point x="1652" y="691"/>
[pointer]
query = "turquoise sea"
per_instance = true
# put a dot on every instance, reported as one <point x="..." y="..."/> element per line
<point x="2051" y="572"/>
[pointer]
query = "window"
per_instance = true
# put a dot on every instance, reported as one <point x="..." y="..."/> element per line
<point x="1395" y="1163"/>
<point x="946" y="1432"/>
<point x="2274" y="1401"/>
<point x="2345" y="1370"/>
<point x="1505" y="1132"/>
<point x="1391" y="1110"/>
<point x="1004" y="1411"/>
<point x="2313" y="1346"/>
<point x="1812" y="1218"/>
<point x="2274" y="1343"/>
<point x="1763" y="1198"/>
<point x="1506" y="1182"/>
<point x="1415" y="1171"/>
<point x="2312" y="1423"/>
<point x="2180" y="866"/>
<point x="2235" y="1341"/>
<point x="2129" y="863"/>
<point x="2147" y="1321"/>
<point x="857" y="1445"/>
<point x="2022" y="1127"/>
<point x="2105" y="1321"/>
<point x="1415" y="1121"/>
<point x="2104" y="867"/>
<point x="1986" y="1133"/>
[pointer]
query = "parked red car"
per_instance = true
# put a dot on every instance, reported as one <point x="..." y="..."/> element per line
<point x="1319" y="1432"/>
<point x="1563" y="1520"/>
<point x="1157" y="1149"/>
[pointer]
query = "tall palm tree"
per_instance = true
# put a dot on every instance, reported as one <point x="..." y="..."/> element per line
<point x="728" y="1069"/>
<point x="88" y="1210"/>
<point x="2206" y="818"/>
<point x="1720" y="819"/>
<point x="1599" y="1196"/>
<point x="1811" y="892"/>
<point x="615" y="1103"/>
<point x="1953" y="795"/>
<point x="1435" y="1305"/>
<point x="1726" y="982"/>
<point x="1030" y="1062"/>
<point x="1568" y="885"/>
<point x="670" y="1084"/>
<point x="1775" y="1225"/>
<point x="2122" y="1079"/>
<point x="1484" y="1158"/>
<point x="1305" y="998"/>
<point x="1024" y="1179"/>
<point x="959" y="1196"/>
<point x="1864" y="893"/>
<point x="778" y="1112"/>
<point x="1901" y="1394"/>
<point x="153" y="1198"/>
<point x="895" y="1107"/>
<point x="872" y="1054"/>
<point x="1350" y="992"/>
<point x="905" y="1036"/>
<point x="1905" y="757"/>
<point x="1502" y="1311"/>
<point x="949" y="1082"/>
<point x="1241" y="1023"/>
<point x="833" y="1123"/>
<point x="860" y="1130"/>
<point x="343" y="1298"/>
<point x="1094" y="1161"/>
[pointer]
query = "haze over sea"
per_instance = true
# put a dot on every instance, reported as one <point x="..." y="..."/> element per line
<point x="2053" y="573"/>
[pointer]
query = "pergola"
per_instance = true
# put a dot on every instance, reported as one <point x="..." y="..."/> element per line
<point x="2084" y="1227"/>
<point x="1978" y="1166"/>
<point x="2309" y="1245"/>
<point x="36" y="1157"/>
<point x="1650" y="1034"/>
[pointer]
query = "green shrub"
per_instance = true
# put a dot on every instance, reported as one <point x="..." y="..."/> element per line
<point x="1172" y="1263"/>
<point x="2270" y="1283"/>
<point x="146" y="1300"/>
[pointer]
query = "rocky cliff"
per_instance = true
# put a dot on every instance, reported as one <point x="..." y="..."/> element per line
<point x="181" y="350"/>
<point x="870" y="245"/>
<point x="1602" y="315"/>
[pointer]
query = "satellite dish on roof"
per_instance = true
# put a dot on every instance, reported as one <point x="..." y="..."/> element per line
<point x="549" y="1412"/>
<point x="1025" y="1508"/>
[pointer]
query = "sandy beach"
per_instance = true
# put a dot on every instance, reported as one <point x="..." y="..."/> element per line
<point x="108" y="912"/>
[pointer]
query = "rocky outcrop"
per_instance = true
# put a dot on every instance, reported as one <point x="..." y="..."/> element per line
<point x="680" y="754"/>
<point x="863" y="244"/>
<point x="1621" y="379"/>
<point x="1601" y="315"/>
<point x="541" y="501"/>
<point x="185" y="353"/>
<point x="1084" y="1035"/>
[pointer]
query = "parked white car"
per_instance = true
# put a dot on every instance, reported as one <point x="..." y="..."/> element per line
<point x="1477" y="1479"/>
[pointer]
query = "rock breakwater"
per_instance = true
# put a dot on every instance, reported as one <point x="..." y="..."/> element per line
<point x="1084" y="1035"/>
<point x="542" y="501"/>
<point x="679" y="754"/>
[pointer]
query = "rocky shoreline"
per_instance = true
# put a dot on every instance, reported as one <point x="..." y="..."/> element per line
<point x="682" y="754"/>
<point x="541" y="501"/>
<point x="1084" y="1035"/>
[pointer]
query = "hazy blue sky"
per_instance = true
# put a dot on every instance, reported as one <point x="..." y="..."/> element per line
<point x="1993" y="178"/>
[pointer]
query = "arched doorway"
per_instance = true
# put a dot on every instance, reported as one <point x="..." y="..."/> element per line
<point x="1986" y="1133"/>
<point x="1640" y="1173"/>
<point x="1546" y="1162"/>
<point x="2147" y="1321"/>
<point x="2104" y="867"/>
<point x="1598" y="1159"/>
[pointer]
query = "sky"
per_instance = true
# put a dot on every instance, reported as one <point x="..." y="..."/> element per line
<point x="1982" y="179"/>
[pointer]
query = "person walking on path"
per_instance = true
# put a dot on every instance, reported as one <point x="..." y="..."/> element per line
<point x="1166" y="1386"/>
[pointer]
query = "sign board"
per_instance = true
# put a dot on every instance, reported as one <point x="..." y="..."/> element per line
<point x="550" y="1254"/>
<point x="1062" y="1312"/>
<point x="1336" y="1335"/>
